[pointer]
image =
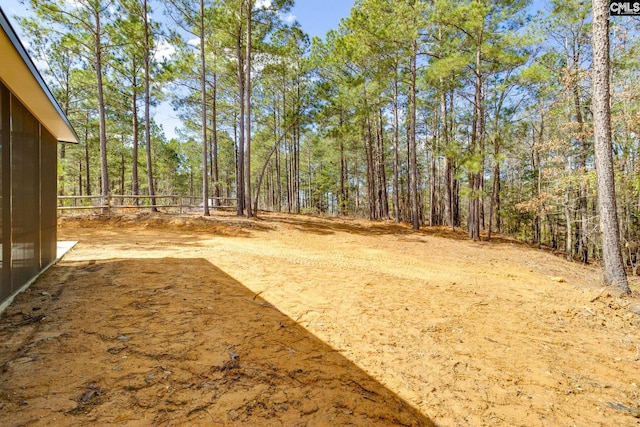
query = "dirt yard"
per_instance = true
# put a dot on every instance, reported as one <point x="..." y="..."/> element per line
<point x="299" y="321"/>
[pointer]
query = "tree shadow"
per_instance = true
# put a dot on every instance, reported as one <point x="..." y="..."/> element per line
<point x="174" y="342"/>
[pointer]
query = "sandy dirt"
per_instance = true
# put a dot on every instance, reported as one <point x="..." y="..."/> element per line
<point x="158" y="319"/>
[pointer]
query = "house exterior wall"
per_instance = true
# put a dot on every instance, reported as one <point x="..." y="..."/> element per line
<point x="28" y="211"/>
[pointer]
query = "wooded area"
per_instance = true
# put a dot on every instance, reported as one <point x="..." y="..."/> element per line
<point x="473" y="114"/>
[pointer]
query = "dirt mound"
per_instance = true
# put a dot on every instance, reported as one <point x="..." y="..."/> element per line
<point x="157" y="319"/>
<point x="227" y="225"/>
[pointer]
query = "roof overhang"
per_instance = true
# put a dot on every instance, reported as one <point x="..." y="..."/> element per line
<point x="20" y="75"/>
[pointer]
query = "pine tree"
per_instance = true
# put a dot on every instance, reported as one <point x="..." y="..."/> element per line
<point x="614" y="272"/>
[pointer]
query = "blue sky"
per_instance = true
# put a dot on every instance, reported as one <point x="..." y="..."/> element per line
<point x="316" y="17"/>
<point x="10" y="8"/>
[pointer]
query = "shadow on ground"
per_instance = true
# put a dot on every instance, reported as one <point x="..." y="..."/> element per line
<point x="173" y="342"/>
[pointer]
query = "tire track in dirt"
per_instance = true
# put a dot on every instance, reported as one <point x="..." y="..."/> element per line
<point x="470" y="333"/>
<point x="495" y="354"/>
<point x="176" y="341"/>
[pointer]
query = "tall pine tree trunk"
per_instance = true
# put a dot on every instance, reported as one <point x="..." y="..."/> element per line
<point x="413" y="160"/>
<point x="122" y="172"/>
<point x="614" y="272"/>
<point x="87" y="157"/>
<point x="433" y="208"/>
<point x="214" y="137"/>
<point x="135" y="184"/>
<point x="382" y="173"/>
<point x="278" y="177"/>
<point x="368" y="151"/>
<point x="296" y="149"/>
<point x="581" y="225"/>
<point x="495" y="199"/>
<point x="101" y="108"/>
<point x="203" y="101"/>
<point x="475" y="175"/>
<point x="396" y="150"/>
<point x="247" y="110"/>
<point x="343" y="176"/>
<point x="240" y="153"/>
<point x="147" y="106"/>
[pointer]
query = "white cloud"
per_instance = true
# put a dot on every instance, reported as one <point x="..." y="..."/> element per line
<point x="74" y="3"/>
<point x="290" y="18"/>
<point x="164" y="50"/>
<point x="263" y="4"/>
<point x="194" y="42"/>
<point x="41" y="65"/>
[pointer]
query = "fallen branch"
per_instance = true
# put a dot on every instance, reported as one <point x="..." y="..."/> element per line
<point x="599" y="295"/>
<point x="621" y="407"/>
<point x="30" y="320"/>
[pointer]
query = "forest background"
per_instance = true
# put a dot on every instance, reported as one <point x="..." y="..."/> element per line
<point x="471" y="114"/>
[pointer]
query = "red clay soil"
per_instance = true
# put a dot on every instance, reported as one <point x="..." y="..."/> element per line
<point x="159" y="319"/>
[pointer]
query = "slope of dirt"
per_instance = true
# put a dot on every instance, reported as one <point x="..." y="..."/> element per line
<point x="157" y="319"/>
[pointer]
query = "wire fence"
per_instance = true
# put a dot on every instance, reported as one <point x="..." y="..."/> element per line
<point x="111" y="202"/>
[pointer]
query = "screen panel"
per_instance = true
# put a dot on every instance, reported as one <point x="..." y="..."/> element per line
<point x="5" y="190"/>
<point x="48" y="198"/>
<point x="25" y="197"/>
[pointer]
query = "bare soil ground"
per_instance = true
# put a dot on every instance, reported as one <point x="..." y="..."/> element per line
<point x="158" y="319"/>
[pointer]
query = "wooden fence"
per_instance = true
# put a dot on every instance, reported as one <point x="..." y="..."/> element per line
<point x="113" y="202"/>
